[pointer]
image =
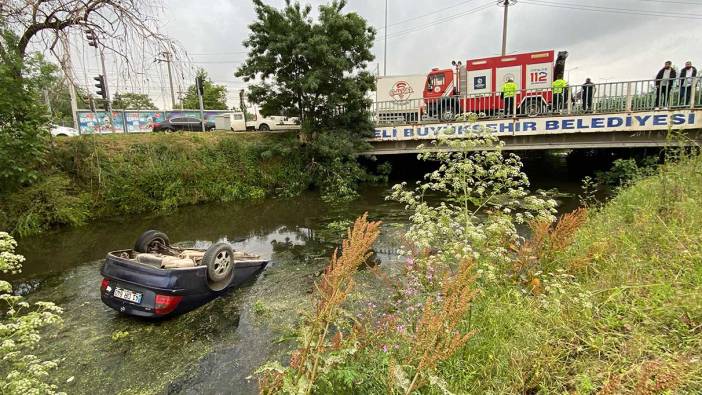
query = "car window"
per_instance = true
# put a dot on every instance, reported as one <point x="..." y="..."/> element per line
<point x="238" y="117"/>
<point x="190" y="119"/>
<point x="177" y="119"/>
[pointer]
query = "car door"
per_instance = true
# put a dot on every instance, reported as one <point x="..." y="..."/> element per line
<point x="194" y="124"/>
<point x="237" y="122"/>
<point x="177" y="123"/>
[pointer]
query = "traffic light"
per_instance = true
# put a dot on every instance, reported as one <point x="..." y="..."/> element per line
<point x="92" y="38"/>
<point x="200" y="83"/>
<point x="101" y="86"/>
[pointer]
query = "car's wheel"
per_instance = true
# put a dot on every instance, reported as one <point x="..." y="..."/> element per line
<point x="151" y="241"/>
<point x="533" y="108"/>
<point x="219" y="259"/>
<point x="264" y="127"/>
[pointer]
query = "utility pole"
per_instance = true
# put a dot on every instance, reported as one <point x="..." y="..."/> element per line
<point x="47" y="101"/>
<point x="200" y="86"/>
<point x="505" y="4"/>
<point x="67" y="66"/>
<point x="108" y="102"/>
<point x="385" y="56"/>
<point x="167" y="55"/>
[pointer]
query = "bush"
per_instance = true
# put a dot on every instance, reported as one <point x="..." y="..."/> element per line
<point x="49" y="203"/>
<point x="20" y="323"/>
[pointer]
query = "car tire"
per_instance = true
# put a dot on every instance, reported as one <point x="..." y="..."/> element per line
<point x="219" y="259"/>
<point x="150" y="241"/>
<point x="264" y="127"/>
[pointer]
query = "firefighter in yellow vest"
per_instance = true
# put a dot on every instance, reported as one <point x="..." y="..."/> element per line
<point x="509" y="89"/>
<point x="559" y="89"/>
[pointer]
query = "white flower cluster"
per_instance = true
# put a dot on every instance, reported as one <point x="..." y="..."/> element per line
<point x="483" y="195"/>
<point x="9" y="261"/>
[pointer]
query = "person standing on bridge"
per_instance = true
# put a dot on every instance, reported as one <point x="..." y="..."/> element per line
<point x="664" y="81"/>
<point x="559" y="88"/>
<point x="587" y="93"/>
<point x="687" y="78"/>
<point x="509" y="89"/>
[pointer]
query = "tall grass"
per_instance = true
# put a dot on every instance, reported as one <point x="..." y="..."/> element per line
<point x="97" y="176"/>
<point x="621" y="308"/>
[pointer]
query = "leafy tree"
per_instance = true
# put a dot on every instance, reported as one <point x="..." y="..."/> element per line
<point x="315" y="70"/>
<point x="23" y="119"/>
<point x="20" y="323"/>
<point x="213" y="98"/>
<point x="132" y="101"/>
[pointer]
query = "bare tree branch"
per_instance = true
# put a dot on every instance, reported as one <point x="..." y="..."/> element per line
<point x="128" y="28"/>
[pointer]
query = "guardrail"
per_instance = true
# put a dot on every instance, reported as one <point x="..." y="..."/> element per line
<point x="609" y="97"/>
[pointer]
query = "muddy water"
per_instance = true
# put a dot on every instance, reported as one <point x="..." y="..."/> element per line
<point x="216" y="348"/>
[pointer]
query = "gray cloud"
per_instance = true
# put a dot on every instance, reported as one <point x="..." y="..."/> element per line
<point x="602" y="45"/>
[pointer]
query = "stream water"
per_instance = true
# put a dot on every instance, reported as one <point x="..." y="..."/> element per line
<point x="216" y="348"/>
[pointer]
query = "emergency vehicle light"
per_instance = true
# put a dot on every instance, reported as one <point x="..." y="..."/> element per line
<point x="539" y="55"/>
<point x="508" y="59"/>
<point x="479" y="62"/>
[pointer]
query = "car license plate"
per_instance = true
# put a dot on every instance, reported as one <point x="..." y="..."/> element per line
<point x="134" y="297"/>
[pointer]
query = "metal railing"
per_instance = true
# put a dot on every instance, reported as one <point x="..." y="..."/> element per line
<point x="609" y="97"/>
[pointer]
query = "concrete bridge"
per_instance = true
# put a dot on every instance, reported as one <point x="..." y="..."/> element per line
<point x="620" y="115"/>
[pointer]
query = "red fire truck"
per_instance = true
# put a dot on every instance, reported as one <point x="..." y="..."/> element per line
<point x="476" y="86"/>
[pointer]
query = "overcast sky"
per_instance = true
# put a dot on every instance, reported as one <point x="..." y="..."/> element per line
<point x="614" y="40"/>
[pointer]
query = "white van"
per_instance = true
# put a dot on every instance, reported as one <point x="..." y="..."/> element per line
<point x="234" y="121"/>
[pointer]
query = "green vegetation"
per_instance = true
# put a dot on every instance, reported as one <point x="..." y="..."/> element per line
<point x="325" y="84"/>
<point x="23" y="120"/>
<point x="605" y="300"/>
<point x="20" y="325"/>
<point x="214" y="96"/>
<point x="132" y="101"/>
<point x="98" y="176"/>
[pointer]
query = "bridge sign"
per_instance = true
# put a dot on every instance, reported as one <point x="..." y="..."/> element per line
<point x="631" y="122"/>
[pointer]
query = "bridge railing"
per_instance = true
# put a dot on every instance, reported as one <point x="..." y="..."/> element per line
<point x="609" y="97"/>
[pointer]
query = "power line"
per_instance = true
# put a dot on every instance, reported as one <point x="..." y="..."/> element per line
<point x="427" y="14"/>
<point x="439" y="21"/>
<point x="610" y="10"/>
<point x="672" y="2"/>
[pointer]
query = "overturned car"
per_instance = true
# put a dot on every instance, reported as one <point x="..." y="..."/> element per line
<point x="156" y="279"/>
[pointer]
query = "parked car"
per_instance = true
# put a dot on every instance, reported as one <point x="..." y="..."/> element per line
<point x="156" y="279"/>
<point x="63" y="131"/>
<point x="191" y="124"/>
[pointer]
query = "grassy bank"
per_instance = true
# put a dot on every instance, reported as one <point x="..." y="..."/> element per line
<point x="617" y="311"/>
<point x="607" y="300"/>
<point x="100" y="176"/>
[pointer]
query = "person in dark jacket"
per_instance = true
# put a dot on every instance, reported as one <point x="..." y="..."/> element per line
<point x="664" y="82"/>
<point x="687" y="78"/>
<point x="587" y="93"/>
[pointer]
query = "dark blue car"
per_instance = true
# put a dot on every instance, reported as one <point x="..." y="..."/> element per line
<point x="156" y="279"/>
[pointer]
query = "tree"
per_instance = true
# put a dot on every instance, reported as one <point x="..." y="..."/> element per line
<point x="23" y="119"/>
<point x="214" y="96"/>
<point x="132" y="101"/>
<point x="315" y="70"/>
<point x="127" y="27"/>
